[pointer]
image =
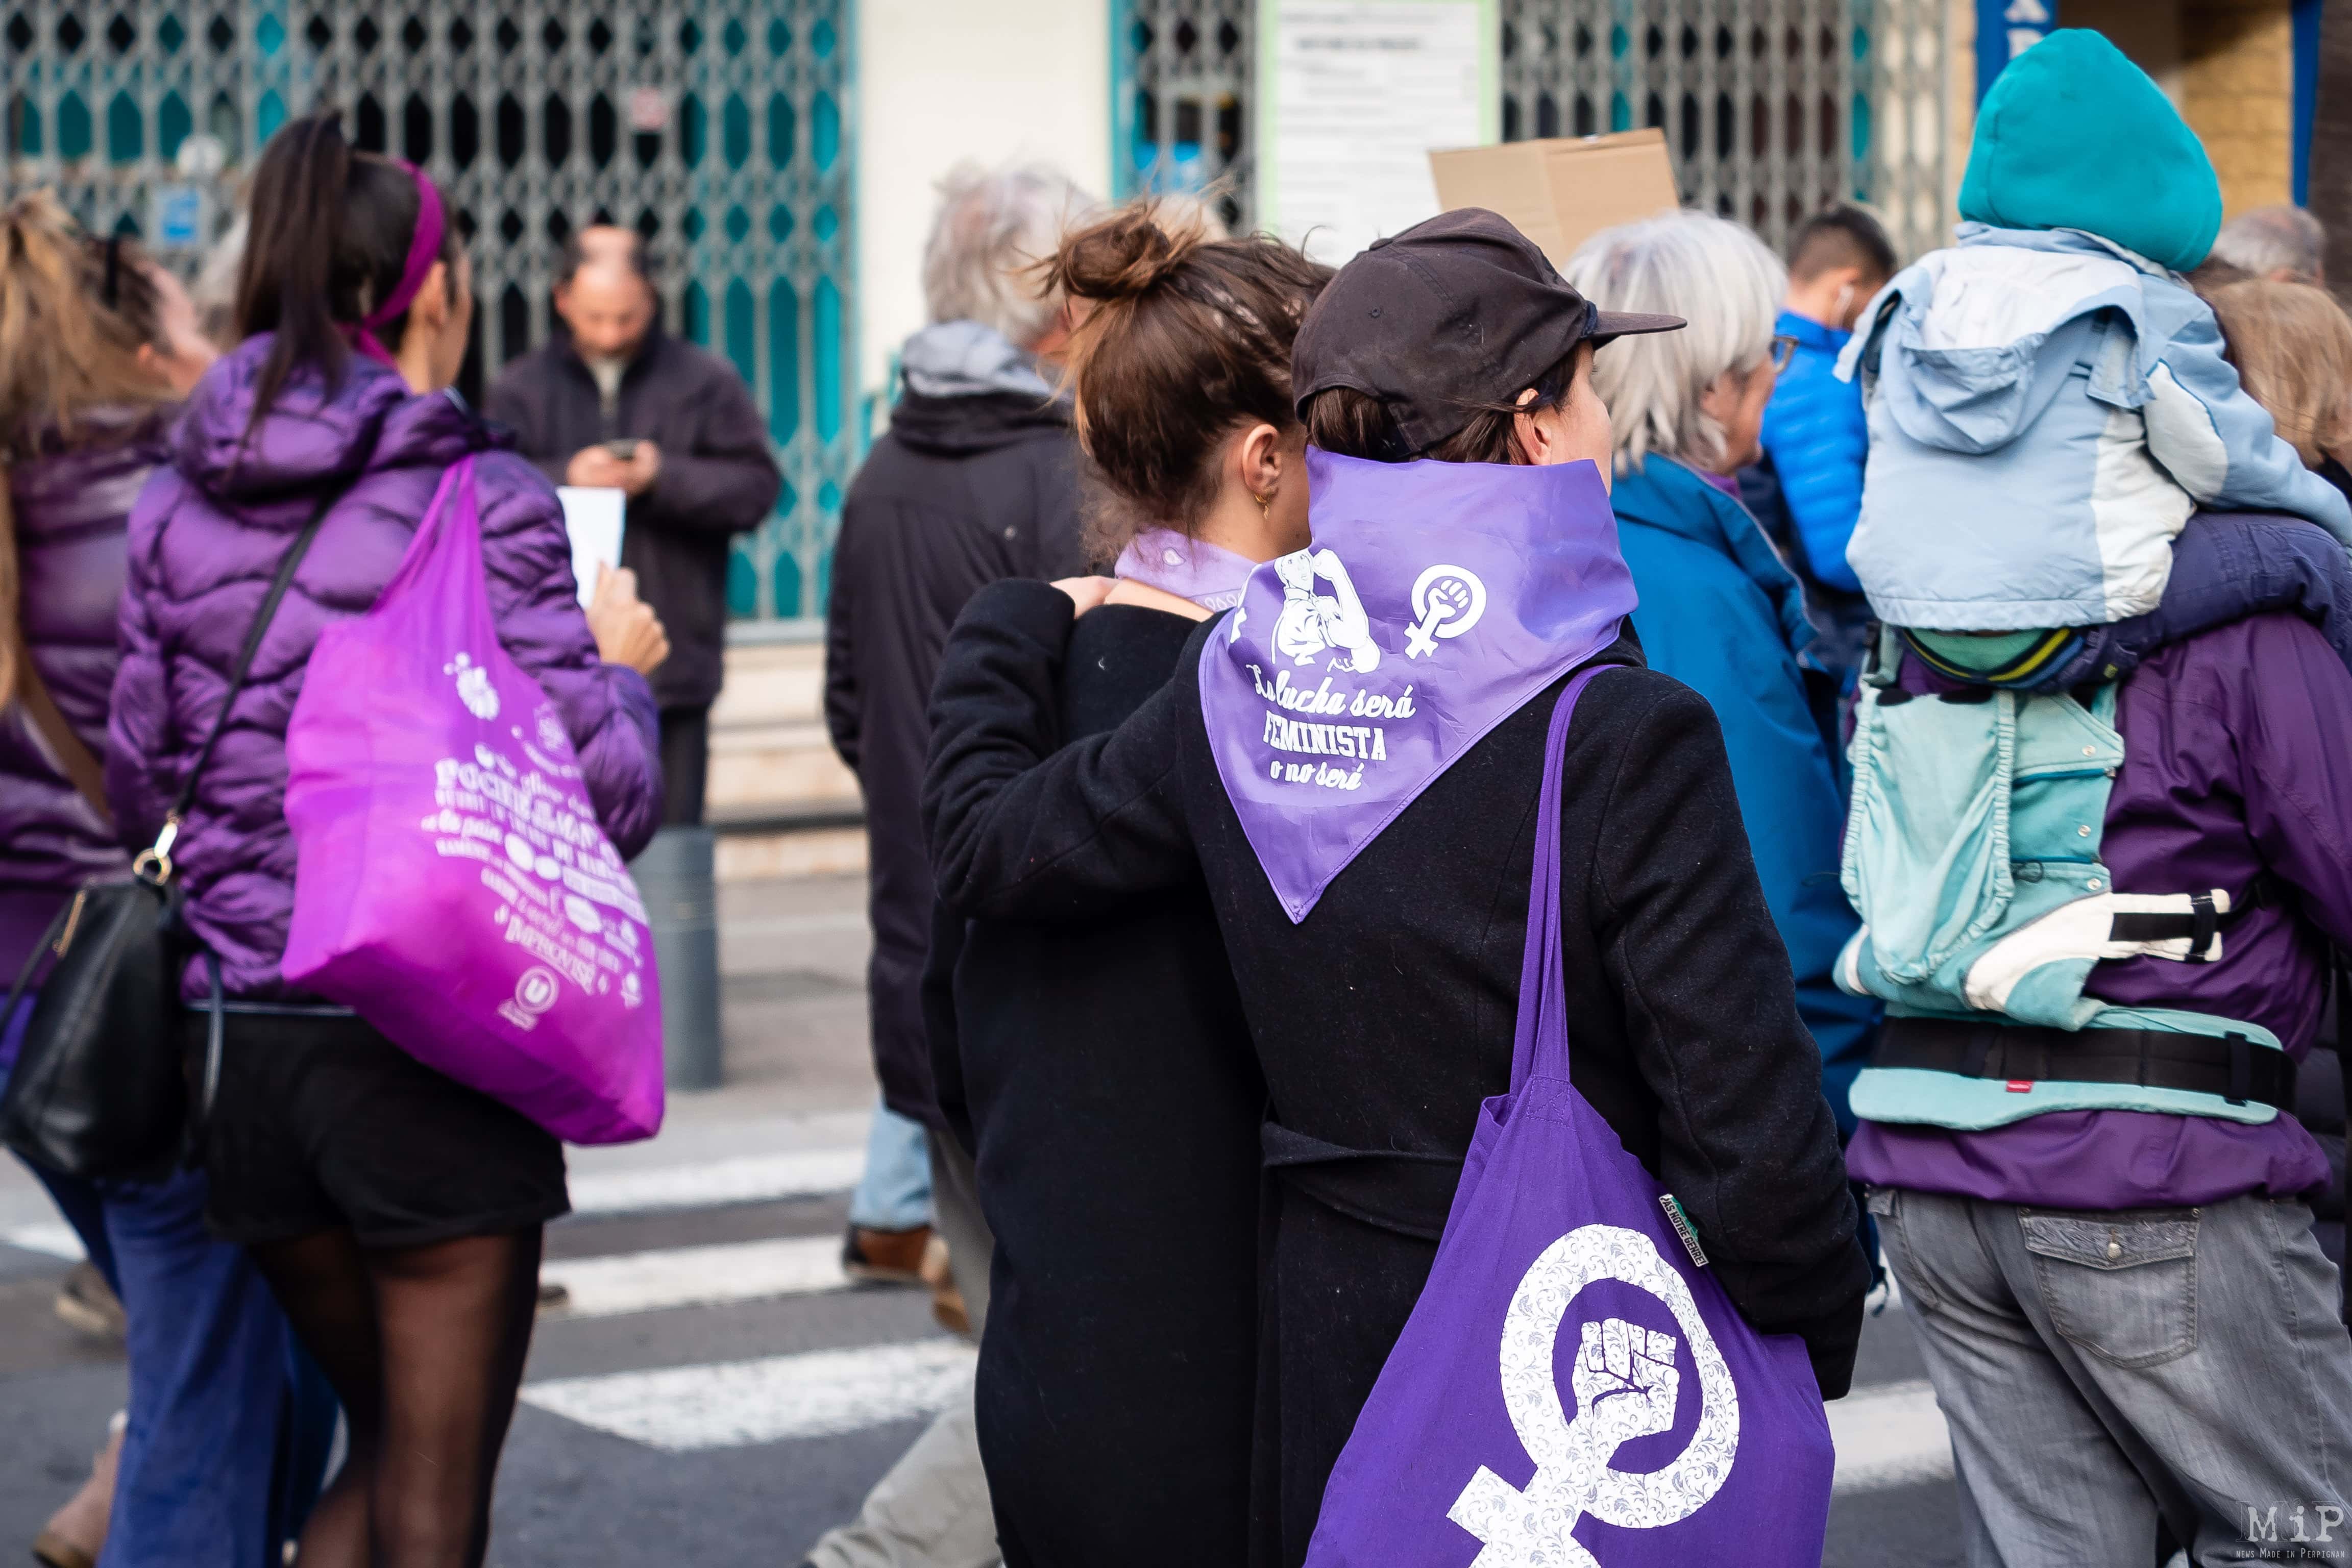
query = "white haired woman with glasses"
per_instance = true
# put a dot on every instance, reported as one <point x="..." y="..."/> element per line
<point x="1718" y="610"/>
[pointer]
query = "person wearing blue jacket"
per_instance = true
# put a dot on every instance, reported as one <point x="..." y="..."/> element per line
<point x="1718" y="611"/>
<point x="1806" y="488"/>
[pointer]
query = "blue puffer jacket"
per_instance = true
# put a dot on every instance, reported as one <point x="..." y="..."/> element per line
<point x="1815" y="434"/>
<point x="1719" y="613"/>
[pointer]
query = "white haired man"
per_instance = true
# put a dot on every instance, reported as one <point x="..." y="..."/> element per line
<point x="2282" y="243"/>
<point x="976" y="479"/>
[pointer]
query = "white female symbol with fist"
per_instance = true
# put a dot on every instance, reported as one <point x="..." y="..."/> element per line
<point x="1626" y="1382"/>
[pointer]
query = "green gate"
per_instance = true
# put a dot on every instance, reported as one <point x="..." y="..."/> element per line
<point x="719" y="129"/>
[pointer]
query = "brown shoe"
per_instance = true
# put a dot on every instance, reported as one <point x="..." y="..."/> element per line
<point x="884" y="1257"/>
<point x="947" y="1302"/>
<point x="87" y="1305"/>
<point x="76" y="1533"/>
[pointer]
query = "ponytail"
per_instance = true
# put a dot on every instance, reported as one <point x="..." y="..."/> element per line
<point x="286" y="285"/>
<point x="329" y="243"/>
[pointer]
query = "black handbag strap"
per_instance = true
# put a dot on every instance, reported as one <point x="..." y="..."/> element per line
<point x="154" y="865"/>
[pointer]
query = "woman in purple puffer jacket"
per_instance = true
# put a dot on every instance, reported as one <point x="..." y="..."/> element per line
<point x="96" y="345"/>
<point x="396" y="1213"/>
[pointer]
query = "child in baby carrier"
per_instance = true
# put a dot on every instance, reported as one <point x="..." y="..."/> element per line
<point x="2055" y="352"/>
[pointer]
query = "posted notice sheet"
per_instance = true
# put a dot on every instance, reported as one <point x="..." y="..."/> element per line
<point x="1362" y="90"/>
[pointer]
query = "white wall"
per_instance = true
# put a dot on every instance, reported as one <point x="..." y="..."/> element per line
<point x="942" y="80"/>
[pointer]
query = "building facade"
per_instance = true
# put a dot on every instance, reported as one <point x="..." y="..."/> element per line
<point x="780" y="155"/>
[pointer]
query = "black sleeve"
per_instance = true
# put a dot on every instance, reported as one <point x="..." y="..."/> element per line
<point x="1022" y="828"/>
<point x="728" y="481"/>
<point x="1747" y="1141"/>
<point x="845" y="708"/>
<point x="949" y="929"/>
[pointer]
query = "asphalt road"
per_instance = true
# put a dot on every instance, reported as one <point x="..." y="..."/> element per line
<point x="717" y="1395"/>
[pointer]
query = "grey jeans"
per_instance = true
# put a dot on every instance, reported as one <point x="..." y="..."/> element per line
<point x="932" y="1510"/>
<point x="2104" y="1371"/>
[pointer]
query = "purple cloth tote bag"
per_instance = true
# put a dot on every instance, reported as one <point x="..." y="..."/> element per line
<point x="1574" y="1387"/>
<point x="452" y="885"/>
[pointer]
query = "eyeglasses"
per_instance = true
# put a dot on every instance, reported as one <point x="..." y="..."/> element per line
<point x="1784" y="349"/>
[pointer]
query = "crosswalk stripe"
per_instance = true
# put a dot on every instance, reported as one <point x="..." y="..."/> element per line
<point x="696" y="1276"/>
<point x="746" y="1179"/>
<point x="54" y="1237"/>
<point x="1891" y="1436"/>
<point x="820" y="1394"/>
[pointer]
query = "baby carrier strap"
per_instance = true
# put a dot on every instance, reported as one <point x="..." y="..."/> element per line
<point x="2021" y="1054"/>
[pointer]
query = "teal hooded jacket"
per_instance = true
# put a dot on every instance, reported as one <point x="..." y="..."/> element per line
<point x="1719" y="613"/>
<point x="2073" y="135"/>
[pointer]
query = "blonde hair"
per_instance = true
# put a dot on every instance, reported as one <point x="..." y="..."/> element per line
<point x="65" y="354"/>
<point x="1712" y="272"/>
<point x="2293" y="346"/>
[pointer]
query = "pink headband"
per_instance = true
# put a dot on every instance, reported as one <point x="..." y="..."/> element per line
<point x="423" y="250"/>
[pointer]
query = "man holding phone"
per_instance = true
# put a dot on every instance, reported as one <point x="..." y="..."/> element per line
<point x="615" y="402"/>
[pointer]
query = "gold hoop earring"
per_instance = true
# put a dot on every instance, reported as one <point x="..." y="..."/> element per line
<point x="1264" y="506"/>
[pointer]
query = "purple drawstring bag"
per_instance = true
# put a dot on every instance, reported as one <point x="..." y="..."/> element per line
<point x="1573" y="1387"/>
<point x="452" y="884"/>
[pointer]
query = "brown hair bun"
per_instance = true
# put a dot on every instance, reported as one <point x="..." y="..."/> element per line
<point x="1127" y="255"/>
<point x="1182" y="340"/>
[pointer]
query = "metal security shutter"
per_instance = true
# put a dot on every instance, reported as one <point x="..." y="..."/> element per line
<point x="1181" y="116"/>
<point x="1774" y="108"/>
<point x="719" y="130"/>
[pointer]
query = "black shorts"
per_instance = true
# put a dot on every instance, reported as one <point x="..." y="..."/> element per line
<point x="320" y="1123"/>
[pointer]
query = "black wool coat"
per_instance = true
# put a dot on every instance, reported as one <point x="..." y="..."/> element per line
<point x="958" y="493"/>
<point x="1385" y="1018"/>
<point x="1101" y="1075"/>
<point x="718" y="478"/>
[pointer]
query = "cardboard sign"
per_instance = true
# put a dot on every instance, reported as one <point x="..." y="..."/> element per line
<point x="1562" y="192"/>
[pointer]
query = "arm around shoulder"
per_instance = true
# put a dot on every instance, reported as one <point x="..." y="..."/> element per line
<point x="1022" y="828"/>
<point x="1747" y="1141"/>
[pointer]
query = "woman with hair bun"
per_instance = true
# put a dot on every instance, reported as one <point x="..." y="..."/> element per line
<point x="1360" y="761"/>
<point x="1101" y="1071"/>
<point x="396" y="1214"/>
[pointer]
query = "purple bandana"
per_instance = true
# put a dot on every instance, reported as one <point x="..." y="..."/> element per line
<point x="1209" y="574"/>
<point x="1436" y="600"/>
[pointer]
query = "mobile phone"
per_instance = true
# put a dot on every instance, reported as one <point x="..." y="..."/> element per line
<point x="624" y="449"/>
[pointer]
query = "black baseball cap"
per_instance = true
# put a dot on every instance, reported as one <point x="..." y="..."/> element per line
<point x="1453" y="315"/>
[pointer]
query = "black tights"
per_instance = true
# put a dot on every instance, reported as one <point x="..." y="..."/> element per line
<point x="425" y="1345"/>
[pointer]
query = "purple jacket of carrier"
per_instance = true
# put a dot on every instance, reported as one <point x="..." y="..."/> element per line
<point x="2234" y="765"/>
<point x="206" y="540"/>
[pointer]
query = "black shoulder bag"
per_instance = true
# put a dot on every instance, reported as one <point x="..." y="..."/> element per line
<point x="99" y="1089"/>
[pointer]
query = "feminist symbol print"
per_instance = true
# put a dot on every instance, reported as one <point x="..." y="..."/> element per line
<point x="1446" y="601"/>
<point x="1626" y="1382"/>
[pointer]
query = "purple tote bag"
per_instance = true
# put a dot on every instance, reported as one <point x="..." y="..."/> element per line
<point x="1573" y="1388"/>
<point x="452" y="885"/>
